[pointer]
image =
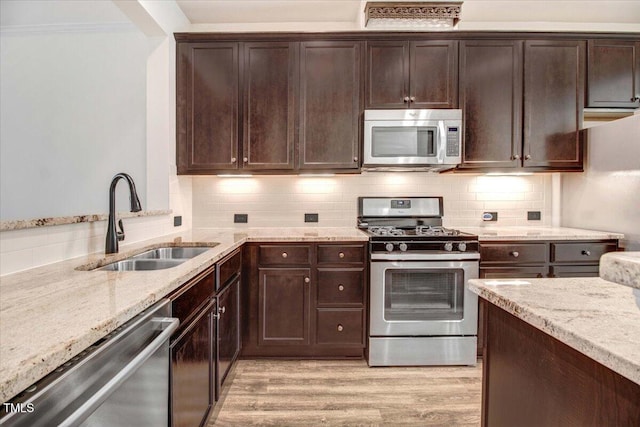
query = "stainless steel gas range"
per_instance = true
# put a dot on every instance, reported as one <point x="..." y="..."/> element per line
<point x="421" y="309"/>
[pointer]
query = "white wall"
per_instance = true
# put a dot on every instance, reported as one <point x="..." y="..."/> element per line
<point x="607" y="195"/>
<point x="72" y="115"/>
<point x="283" y="200"/>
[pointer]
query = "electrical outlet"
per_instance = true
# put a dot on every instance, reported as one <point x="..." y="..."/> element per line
<point x="177" y="220"/>
<point x="534" y="215"/>
<point x="240" y="218"/>
<point x="490" y="216"/>
<point x="311" y="217"/>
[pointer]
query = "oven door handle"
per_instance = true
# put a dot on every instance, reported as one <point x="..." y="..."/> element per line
<point x="424" y="257"/>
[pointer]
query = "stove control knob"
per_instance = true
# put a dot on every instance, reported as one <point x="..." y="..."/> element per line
<point x="389" y="247"/>
<point x="448" y="246"/>
<point x="462" y="246"/>
<point x="403" y="247"/>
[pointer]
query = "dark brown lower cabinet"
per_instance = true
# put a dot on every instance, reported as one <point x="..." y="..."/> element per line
<point x="532" y="379"/>
<point x="191" y="371"/>
<point x="228" y="336"/>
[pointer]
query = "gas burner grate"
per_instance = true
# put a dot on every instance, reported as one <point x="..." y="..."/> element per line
<point x="430" y="230"/>
<point x="386" y="231"/>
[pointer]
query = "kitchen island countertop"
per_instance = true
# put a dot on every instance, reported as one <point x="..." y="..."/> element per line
<point x="600" y="319"/>
<point x="50" y="314"/>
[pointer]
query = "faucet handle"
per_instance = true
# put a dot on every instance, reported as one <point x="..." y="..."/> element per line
<point x="120" y="233"/>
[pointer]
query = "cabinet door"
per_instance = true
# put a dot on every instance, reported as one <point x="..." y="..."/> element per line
<point x="207" y="107"/>
<point x="191" y="373"/>
<point x="284" y="306"/>
<point x="387" y="84"/>
<point x="269" y="105"/>
<point x="553" y="103"/>
<point x="330" y="105"/>
<point x="433" y="74"/>
<point x="228" y="336"/>
<point x="491" y="102"/>
<point x="613" y="74"/>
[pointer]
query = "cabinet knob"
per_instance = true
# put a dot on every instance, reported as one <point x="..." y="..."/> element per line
<point x="307" y="280"/>
<point x="284" y="254"/>
<point x="527" y="157"/>
<point x="412" y="99"/>
<point x="341" y="255"/>
<point x="222" y="310"/>
<point x="405" y="99"/>
<point x="245" y="159"/>
<point x="635" y="99"/>
<point x="233" y="160"/>
<point x="515" y="254"/>
<point x="340" y="328"/>
<point x="355" y="159"/>
<point x="516" y="157"/>
<point x="586" y="253"/>
<point x="340" y="288"/>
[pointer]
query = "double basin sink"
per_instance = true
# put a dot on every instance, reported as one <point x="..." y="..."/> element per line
<point x="157" y="259"/>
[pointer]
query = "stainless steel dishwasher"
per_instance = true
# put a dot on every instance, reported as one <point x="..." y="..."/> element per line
<point x="121" y="380"/>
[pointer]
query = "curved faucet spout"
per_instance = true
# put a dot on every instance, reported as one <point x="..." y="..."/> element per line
<point x="113" y="236"/>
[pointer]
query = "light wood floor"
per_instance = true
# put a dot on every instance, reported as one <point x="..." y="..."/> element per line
<point x="310" y="393"/>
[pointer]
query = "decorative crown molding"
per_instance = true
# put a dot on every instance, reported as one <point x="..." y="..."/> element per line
<point x="413" y="11"/>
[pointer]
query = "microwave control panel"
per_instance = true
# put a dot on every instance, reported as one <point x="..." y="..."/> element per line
<point x="453" y="141"/>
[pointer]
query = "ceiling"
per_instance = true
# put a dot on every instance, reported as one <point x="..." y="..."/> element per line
<point x="333" y="15"/>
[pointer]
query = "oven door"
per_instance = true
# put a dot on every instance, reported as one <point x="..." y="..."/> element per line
<point x="423" y="298"/>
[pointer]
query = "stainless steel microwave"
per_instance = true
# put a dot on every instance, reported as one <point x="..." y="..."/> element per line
<point x="412" y="139"/>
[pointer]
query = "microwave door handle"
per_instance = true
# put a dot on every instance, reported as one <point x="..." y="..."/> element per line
<point x="441" y="141"/>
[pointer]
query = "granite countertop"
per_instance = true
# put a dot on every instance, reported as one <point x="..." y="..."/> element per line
<point x="51" y="313"/>
<point x="598" y="318"/>
<point x="492" y="232"/>
<point x="622" y="268"/>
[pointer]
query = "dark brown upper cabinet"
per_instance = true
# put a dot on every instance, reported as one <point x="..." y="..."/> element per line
<point x="412" y="74"/>
<point x="613" y="74"/>
<point x="554" y="74"/>
<point x="540" y="80"/>
<point x="491" y="101"/>
<point x="268" y="137"/>
<point x="207" y="107"/>
<point x="330" y="104"/>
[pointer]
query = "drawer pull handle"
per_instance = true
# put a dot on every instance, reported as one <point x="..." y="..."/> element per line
<point x="515" y="254"/>
<point x="307" y="280"/>
<point x="341" y="255"/>
<point x="340" y="288"/>
<point x="284" y="255"/>
<point x="586" y="253"/>
<point x="340" y="328"/>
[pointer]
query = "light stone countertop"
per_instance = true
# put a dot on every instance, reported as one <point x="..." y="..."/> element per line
<point x="492" y="232"/>
<point x="622" y="268"/>
<point x="50" y="314"/>
<point x="598" y="318"/>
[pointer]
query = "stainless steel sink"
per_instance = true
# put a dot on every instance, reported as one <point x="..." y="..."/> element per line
<point x="172" y="253"/>
<point x="157" y="259"/>
<point x="142" y="264"/>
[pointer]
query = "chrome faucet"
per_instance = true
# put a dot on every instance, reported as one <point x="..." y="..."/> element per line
<point x="113" y="236"/>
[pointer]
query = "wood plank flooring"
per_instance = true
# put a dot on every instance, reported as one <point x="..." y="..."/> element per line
<point x="348" y="393"/>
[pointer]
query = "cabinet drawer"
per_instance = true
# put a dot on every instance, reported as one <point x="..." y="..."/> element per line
<point x="340" y="326"/>
<point x="340" y="254"/>
<point x="575" y="270"/>
<point x="228" y="268"/>
<point x="579" y="252"/>
<point x="185" y="303"/>
<point x="513" y="272"/>
<point x="340" y="286"/>
<point x="284" y="255"/>
<point x="513" y="253"/>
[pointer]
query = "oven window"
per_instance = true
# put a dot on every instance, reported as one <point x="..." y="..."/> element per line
<point x="415" y="295"/>
<point x="403" y="141"/>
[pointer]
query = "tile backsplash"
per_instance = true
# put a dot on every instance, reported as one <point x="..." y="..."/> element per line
<point x="283" y="200"/>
